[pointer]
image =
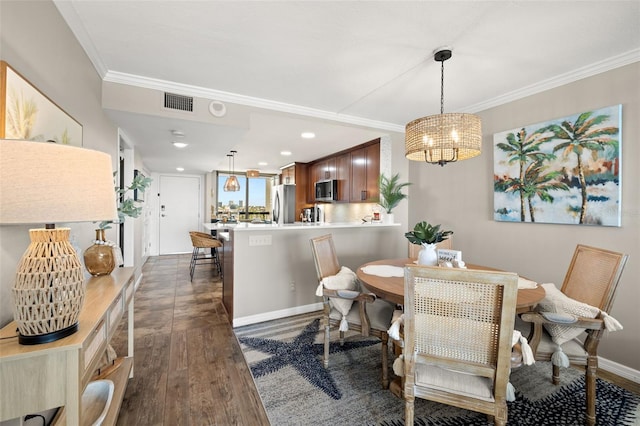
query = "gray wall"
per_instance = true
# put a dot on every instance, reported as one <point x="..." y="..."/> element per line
<point x="460" y="196"/>
<point x="36" y="42"/>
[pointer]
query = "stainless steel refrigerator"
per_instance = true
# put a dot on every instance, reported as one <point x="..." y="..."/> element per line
<point x="284" y="204"/>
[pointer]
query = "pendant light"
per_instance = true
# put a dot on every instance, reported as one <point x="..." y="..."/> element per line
<point x="443" y="138"/>
<point x="232" y="184"/>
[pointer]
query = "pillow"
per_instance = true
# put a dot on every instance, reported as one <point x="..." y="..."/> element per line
<point x="345" y="279"/>
<point x="557" y="302"/>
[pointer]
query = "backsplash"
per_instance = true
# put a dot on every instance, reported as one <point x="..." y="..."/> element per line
<point x="347" y="212"/>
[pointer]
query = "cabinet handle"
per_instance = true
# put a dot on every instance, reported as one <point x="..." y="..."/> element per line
<point x="363" y="195"/>
<point x="326" y="174"/>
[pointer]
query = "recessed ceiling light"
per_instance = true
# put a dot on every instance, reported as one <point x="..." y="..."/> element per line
<point x="285" y="152"/>
<point x="177" y="133"/>
<point x="179" y="144"/>
<point x="263" y="163"/>
<point x="180" y="169"/>
<point x="308" y="135"/>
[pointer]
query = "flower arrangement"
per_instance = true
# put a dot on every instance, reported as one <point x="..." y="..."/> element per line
<point x="425" y="233"/>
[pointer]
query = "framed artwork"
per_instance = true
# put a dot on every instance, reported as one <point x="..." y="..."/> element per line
<point x="564" y="171"/>
<point x="28" y="114"/>
<point x="138" y="195"/>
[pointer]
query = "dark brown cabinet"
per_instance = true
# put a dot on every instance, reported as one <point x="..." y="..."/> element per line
<point x="298" y="174"/>
<point x="365" y="169"/>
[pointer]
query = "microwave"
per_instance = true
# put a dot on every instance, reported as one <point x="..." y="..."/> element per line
<point x="327" y="190"/>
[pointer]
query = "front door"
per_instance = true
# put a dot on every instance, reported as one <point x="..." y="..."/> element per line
<point x="179" y="212"/>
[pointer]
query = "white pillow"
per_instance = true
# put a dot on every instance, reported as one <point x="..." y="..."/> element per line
<point x="345" y="279"/>
<point x="556" y="301"/>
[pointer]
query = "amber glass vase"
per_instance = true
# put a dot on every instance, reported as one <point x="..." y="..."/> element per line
<point x="99" y="259"/>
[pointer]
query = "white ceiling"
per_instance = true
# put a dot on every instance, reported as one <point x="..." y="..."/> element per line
<point x="347" y="70"/>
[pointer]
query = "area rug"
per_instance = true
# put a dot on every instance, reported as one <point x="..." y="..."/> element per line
<point x="285" y="357"/>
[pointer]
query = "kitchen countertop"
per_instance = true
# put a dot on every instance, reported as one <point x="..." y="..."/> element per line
<point x="243" y="226"/>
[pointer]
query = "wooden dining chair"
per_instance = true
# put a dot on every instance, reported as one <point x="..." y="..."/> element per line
<point x="367" y="315"/>
<point x="202" y="242"/>
<point x="414" y="249"/>
<point x="458" y="328"/>
<point x="592" y="279"/>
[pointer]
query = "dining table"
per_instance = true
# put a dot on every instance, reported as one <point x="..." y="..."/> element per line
<point x="391" y="288"/>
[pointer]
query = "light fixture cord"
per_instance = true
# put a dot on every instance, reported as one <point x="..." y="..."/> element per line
<point x="442" y="87"/>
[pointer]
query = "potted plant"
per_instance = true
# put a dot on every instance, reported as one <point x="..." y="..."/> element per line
<point x="390" y="193"/>
<point x="99" y="258"/>
<point x="427" y="236"/>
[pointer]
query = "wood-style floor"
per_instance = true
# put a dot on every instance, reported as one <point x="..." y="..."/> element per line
<point x="188" y="366"/>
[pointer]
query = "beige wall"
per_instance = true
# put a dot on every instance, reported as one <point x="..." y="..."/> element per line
<point x="460" y="196"/>
<point x="36" y="42"/>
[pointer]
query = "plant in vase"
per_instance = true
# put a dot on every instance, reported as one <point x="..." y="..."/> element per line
<point x="100" y="258"/>
<point x="390" y="193"/>
<point x="427" y="236"/>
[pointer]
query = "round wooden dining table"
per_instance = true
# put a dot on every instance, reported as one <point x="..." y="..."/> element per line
<point x="392" y="288"/>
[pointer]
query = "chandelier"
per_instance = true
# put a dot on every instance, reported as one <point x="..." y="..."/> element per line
<point x="443" y="138"/>
<point x="232" y="184"/>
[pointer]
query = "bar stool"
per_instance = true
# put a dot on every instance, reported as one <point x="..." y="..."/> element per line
<point x="201" y="242"/>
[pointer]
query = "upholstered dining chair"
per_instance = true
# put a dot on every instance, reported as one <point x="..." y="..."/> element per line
<point x="458" y="328"/>
<point x="361" y="310"/>
<point x="202" y="242"/>
<point x="586" y="296"/>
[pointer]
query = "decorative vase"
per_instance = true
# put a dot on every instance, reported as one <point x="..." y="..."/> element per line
<point x="388" y="218"/>
<point x="99" y="259"/>
<point x="428" y="255"/>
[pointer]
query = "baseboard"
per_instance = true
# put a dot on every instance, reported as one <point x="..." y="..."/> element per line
<point x="619" y="370"/>
<point x="268" y="316"/>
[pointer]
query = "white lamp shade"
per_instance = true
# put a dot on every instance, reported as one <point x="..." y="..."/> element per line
<point x="44" y="182"/>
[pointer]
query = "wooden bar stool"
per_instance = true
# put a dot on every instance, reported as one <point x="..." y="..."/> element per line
<point x="201" y="242"/>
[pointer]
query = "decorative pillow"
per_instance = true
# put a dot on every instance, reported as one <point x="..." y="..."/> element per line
<point x="557" y="302"/>
<point x="345" y="279"/>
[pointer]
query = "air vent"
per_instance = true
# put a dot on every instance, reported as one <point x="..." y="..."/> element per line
<point x="178" y="102"/>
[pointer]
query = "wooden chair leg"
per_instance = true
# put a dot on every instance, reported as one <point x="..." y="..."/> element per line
<point x="555" y="378"/>
<point x="385" y="361"/>
<point x="590" y="383"/>
<point x="408" y="410"/>
<point x="341" y="338"/>
<point x="326" y="344"/>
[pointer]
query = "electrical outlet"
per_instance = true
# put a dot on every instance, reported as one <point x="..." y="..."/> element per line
<point x="259" y="240"/>
<point x="292" y="285"/>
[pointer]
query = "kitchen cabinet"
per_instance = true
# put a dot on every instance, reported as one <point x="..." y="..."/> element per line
<point x="343" y="175"/>
<point x="297" y="174"/>
<point x="41" y="377"/>
<point x="365" y="170"/>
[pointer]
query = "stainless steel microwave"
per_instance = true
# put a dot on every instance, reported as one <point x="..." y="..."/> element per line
<point x="327" y="190"/>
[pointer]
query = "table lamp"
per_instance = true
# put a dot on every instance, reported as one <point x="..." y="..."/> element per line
<point x="44" y="182"/>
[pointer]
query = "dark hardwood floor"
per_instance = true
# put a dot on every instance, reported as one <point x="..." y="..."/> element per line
<point x="188" y="366"/>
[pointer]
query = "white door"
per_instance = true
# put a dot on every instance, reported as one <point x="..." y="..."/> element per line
<point x="179" y="212"/>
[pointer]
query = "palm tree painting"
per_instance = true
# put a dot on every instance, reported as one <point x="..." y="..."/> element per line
<point x="562" y="171"/>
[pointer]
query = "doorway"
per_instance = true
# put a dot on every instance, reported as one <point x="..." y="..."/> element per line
<point x="180" y="209"/>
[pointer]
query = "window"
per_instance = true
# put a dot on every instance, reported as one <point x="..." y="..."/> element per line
<point x="252" y="202"/>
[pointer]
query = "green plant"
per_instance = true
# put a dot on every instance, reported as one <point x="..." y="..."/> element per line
<point x="127" y="206"/>
<point x="390" y="191"/>
<point x="424" y="232"/>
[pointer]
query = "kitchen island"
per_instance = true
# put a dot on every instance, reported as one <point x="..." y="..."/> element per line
<point x="269" y="271"/>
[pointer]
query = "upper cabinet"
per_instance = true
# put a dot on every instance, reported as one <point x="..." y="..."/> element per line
<point x="365" y="170"/>
<point x="356" y="171"/>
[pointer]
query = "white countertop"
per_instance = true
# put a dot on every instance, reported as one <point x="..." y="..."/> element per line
<point x="243" y="226"/>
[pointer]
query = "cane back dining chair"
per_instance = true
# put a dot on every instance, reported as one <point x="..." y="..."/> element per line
<point x="592" y="279"/>
<point x="367" y="315"/>
<point x="458" y="329"/>
<point x="202" y="242"/>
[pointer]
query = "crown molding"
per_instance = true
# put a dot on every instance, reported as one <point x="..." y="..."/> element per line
<point x="560" y="80"/>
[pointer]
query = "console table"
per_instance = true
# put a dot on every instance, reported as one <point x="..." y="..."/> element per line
<point x="41" y="377"/>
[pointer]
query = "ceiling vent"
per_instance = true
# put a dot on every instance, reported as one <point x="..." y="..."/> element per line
<point x="178" y="102"/>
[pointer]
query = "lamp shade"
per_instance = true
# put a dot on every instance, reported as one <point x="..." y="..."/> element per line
<point x="43" y="182"/>
<point x="443" y="138"/>
<point x="232" y="184"/>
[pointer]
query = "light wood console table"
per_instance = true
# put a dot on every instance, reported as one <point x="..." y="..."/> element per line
<point x="35" y="378"/>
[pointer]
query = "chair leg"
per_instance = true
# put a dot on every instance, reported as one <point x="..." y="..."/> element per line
<point x="555" y="377"/>
<point x="341" y="338"/>
<point x="385" y="361"/>
<point x="590" y="383"/>
<point x="408" y="410"/>
<point x="192" y="266"/>
<point x="326" y="344"/>
<point x="500" y="417"/>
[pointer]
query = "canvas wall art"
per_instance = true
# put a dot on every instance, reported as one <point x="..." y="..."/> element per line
<point x="563" y="171"/>
<point x="26" y="113"/>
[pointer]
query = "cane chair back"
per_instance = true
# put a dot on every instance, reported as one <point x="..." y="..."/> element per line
<point x="458" y="328"/>
<point x="368" y="316"/>
<point x="592" y="278"/>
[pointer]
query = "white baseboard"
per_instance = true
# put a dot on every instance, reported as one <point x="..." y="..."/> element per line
<point x="619" y="370"/>
<point x="268" y="316"/>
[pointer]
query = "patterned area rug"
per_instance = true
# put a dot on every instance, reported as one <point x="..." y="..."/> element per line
<point x="285" y="357"/>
